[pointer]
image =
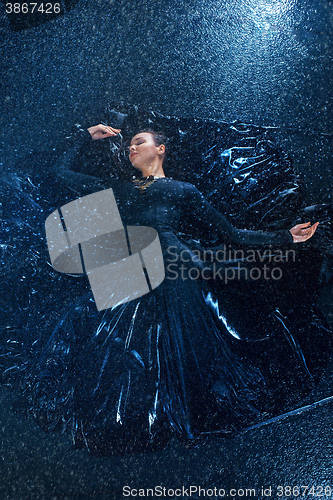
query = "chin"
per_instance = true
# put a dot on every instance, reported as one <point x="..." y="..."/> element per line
<point x="132" y="162"/>
<point x="137" y="167"/>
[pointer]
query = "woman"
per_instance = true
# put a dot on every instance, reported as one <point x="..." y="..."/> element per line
<point x="147" y="154"/>
<point x="129" y="377"/>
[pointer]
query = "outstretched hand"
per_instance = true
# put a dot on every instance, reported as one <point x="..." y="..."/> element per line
<point x="303" y="232"/>
<point x="102" y="131"/>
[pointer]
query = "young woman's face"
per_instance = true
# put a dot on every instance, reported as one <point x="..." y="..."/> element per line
<point x="143" y="151"/>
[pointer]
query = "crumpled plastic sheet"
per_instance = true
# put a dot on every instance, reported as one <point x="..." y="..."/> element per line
<point x="242" y="174"/>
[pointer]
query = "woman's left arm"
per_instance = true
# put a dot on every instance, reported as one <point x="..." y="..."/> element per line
<point x="203" y="214"/>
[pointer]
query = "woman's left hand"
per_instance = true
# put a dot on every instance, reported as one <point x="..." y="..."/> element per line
<point x="302" y="232"/>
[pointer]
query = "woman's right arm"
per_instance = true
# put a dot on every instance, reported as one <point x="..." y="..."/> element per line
<point x="76" y="181"/>
<point x="102" y="131"/>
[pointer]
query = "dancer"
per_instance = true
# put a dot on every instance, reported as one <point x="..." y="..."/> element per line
<point x="127" y="378"/>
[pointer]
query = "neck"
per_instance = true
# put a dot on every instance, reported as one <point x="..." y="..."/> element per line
<point x="155" y="170"/>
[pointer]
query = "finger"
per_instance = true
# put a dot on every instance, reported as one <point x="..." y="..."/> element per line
<point x="301" y="227"/>
<point x="107" y="132"/>
<point x="314" y="227"/>
<point x="305" y="225"/>
<point x="114" y="131"/>
<point x="311" y="230"/>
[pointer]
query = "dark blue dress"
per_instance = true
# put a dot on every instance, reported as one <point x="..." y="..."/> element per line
<point x="172" y="361"/>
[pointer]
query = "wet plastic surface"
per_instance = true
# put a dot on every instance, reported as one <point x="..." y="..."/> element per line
<point x="75" y="64"/>
<point x="187" y="358"/>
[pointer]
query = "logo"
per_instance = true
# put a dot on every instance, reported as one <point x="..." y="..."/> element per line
<point x="87" y="236"/>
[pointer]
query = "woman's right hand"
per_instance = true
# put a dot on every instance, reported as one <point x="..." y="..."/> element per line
<point x="102" y="131"/>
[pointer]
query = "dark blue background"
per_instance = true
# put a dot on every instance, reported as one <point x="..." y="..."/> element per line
<point x="267" y="62"/>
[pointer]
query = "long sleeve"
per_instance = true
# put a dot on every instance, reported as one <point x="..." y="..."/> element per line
<point x="87" y="162"/>
<point x="206" y="218"/>
<point x="62" y="169"/>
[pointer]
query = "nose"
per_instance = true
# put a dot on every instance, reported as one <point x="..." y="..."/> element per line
<point x="131" y="148"/>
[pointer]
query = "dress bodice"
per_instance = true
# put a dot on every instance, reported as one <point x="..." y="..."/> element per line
<point x="172" y="206"/>
<point x="159" y="206"/>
